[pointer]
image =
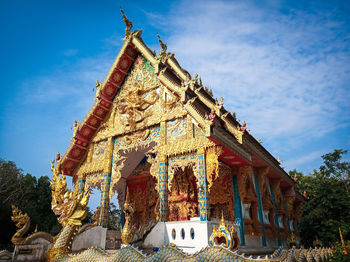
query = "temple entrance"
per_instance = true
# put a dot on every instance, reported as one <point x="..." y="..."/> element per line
<point x="183" y="198"/>
<point x="141" y="188"/>
<point x="136" y="188"/>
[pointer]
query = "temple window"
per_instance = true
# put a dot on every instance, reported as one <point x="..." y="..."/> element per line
<point x="182" y="233"/>
<point x="192" y="233"/>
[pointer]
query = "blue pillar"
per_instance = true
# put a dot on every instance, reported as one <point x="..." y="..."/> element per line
<point x="275" y="216"/>
<point x="103" y="219"/>
<point x="81" y="185"/>
<point x="238" y="210"/>
<point x="163" y="190"/>
<point x="285" y="208"/>
<point x="260" y="212"/>
<point x="202" y="192"/>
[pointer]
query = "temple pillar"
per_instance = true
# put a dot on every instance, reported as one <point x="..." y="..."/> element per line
<point x="275" y="215"/>
<point x="81" y="183"/>
<point x="202" y="186"/>
<point x="103" y="218"/>
<point x="105" y="187"/>
<point x="163" y="189"/>
<point x="238" y="210"/>
<point x="260" y="211"/>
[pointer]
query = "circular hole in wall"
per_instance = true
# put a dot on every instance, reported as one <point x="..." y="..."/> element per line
<point x="192" y="233"/>
<point x="183" y="233"/>
<point x="173" y="233"/>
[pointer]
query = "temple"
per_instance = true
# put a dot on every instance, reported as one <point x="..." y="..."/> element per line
<point x="176" y="160"/>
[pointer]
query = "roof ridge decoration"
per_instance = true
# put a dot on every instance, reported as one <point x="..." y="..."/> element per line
<point x="128" y="24"/>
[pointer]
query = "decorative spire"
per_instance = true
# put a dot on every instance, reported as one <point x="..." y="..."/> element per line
<point x="162" y="45"/>
<point x="127" y="22"/>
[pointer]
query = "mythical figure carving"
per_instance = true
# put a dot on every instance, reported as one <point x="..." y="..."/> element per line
<point x="71" y="209"/>
<point x="129" y="228"/>
<point x="183" y="199"/>
<point x="22" y="223"/>
<point x="212" y="164"/>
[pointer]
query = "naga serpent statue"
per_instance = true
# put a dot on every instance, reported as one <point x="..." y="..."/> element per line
<point x="71" y="208"/>
<point x="23" y="224"/>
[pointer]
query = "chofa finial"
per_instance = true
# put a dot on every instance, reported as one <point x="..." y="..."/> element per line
<point x="162" y="45"/>
<point x="127" y="22"/>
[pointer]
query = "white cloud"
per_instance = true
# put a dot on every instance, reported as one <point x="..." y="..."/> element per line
<point x="287" y="75"/>
<point x="304" y="159"/>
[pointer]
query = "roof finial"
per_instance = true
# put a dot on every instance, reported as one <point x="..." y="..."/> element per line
<point x="163" y="46"/>
<point x="127" y="22"/>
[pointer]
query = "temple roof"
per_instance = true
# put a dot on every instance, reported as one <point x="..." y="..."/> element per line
<point x="218" y="124"/>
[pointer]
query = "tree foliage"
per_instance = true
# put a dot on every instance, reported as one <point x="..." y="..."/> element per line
<point x="31" y="195"/>
<point x="328" y="200"/>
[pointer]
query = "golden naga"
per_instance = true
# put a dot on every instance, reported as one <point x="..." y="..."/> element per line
<point x="23" y="223"/>
<point x="71" y="209"/>
<point x="129" y="228"/>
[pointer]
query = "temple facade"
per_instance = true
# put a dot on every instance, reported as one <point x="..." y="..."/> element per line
<point x="175" y="160"/>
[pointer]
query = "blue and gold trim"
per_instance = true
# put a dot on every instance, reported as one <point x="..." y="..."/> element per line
<point x="260" y="211"/>
<point x="202" y="190"/>
<point x="275" y="216"/>
<point x="238" y="210"/>
<point x="163" y="190"/>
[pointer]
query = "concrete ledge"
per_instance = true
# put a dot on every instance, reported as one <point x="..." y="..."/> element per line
<point x="93" y="237"/>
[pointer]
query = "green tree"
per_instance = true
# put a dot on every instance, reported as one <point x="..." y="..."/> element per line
<point x="328" y="200"/>
<point x="31" y="195"/>
<point x="114" y="217"/>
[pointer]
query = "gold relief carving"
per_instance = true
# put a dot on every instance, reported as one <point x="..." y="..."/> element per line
<point x="163" y="127"/>
<point x="93" y="181"/>
<point x="140" y="103"/>
<point x="221" y="198"/>
<point x="99" y="150"/>
<point x="182" y="199"/>
<point x="180" y="163"/>
<point x="185" y="146"/>
<point x="264" y="191"/>
<point x="189" y="128"/>
<point x="289" y="205"/>
<point x="298" y="212"/>
<point x="245" y="184"/>
<point x="212" y="164"/>
<point x="176" y="130"/>
<point x="278" y="197"/>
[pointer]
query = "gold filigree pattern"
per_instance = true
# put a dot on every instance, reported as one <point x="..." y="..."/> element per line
<point x="180" y="163"/>
<point x="185" y="146"/>
<point x="176" y="130"/>
<point x="289" y="205"/>
<point x="142" y="102"/>
<point x="212" y="164"/>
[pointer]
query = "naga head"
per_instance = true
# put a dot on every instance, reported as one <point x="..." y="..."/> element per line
<point x="19" y="217"/>
<point x="22" y="223"/>
<point x="69" y="206"/>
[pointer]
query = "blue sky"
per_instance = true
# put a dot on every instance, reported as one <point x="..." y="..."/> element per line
<point x="282" y="66"/>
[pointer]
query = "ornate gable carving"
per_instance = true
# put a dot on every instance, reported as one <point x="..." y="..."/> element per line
<point x="142" y="101"/>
